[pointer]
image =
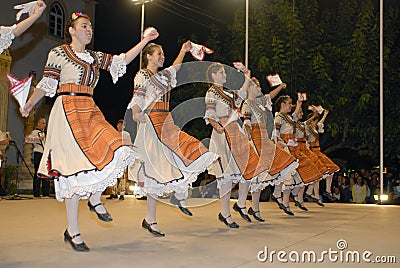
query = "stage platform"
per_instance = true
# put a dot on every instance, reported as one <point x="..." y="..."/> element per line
<point x="32" y="236"/>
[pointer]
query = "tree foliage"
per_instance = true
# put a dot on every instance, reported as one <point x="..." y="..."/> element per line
<point x="332" y="53"/>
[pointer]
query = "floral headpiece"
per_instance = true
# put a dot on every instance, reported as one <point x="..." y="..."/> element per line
<point x="77" y="15"/>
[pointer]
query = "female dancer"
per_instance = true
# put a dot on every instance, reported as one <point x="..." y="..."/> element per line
<point x="301" y="139"/>
<point x="7" y="34"/>
<point x="170" y="159"/>
<point x="313" y="128"/>
<point x="282" y="165"/>
<point x="239" y="161"/>
<point x="285" y="135"/>
<point x="82" y="151"/>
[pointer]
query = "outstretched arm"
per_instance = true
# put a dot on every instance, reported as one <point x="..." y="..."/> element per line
<point x="275" y="92"/>
<point x="186" y="47"/>
<point x="36" y="96"/>
<point x="326" y="112"/>
<point x="26" y="23"/>
<point x="133" y="52"/>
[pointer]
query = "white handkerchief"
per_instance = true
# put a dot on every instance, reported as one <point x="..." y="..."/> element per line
<point x="20" y="88"/>
<point x="274" y="80"/>
<point x="198" y="51"/>
<point x="25" y="8"/>
<point x="239" y="66"/>
<point x="301" y="96"/>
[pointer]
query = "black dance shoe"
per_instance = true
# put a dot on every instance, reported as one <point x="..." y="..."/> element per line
<point x="82" y="247"/>
<point x="310" y="198"/>
<point x="102" y="216"/>
<point x="147" y="226"/>
<point x="231" y="225"/>
<point x="276" y="200"/>
<point x="254" y="214"/>
<point x="319" y="203"/>
<point x="174" y="201"/>
<point x="300" y="205"/>
<point x="239" y="209"/>
<point x="121" y="197"/>
<point x="288" y="211"/>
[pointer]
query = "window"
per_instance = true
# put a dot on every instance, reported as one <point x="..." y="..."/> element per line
<point x="56" y="21"/>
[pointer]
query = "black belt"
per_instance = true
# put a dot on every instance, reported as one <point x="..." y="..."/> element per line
<point x="155" y="110"/>
<point x="301" y="141"/>
<point x="75" y="94"/>
<point x="314" y="146"/>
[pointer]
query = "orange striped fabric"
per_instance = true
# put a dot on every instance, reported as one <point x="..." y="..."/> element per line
<point x="185" y="146"/>
<point x="244" y="154"/>
<point x="313" y="157"/>
<point x="307" y="170"/>
<point x="314" y="147"/>
<point x="276" y="158"/>
<point x="95" y="136"/>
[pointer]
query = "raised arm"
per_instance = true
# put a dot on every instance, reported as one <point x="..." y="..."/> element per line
<point x="133" y="52"/>
<point x="326" y="112"/>
<point x="186" y="47"/>
<point x="26" y="23"/>
<point x="275" y="92"/>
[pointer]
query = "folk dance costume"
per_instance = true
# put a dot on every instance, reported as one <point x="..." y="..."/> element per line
<point x="282" y="165"/>
<point x="239" y="160"/>
<point x="170" y="159"/>
<point x="83" y="151"/>
<point x="301" y="139"/>
<point x="285" y="131"/>
<point x="6" y="36"/>
<point x="313" y="142"/>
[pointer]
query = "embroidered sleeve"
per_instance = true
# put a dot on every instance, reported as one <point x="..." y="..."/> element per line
<point x="241" y="96"/>
<point x="51" y="73"/>
<point x="320" y="127"/>
<point x="246" y="112"/>
<point x="268" y="102"/>
<point x="6" y="37"/>
<point x="117" y="67"/>
<point x="211" y="105"/>
<point x="278" y="121"/>
<point x="139" y="90"/>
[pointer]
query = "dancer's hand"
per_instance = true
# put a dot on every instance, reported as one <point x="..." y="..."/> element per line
<point x="26" y="109"/>
<point x="187" y="46"/>
<point x="139" y="117"/>
<point x="40" y="7"/>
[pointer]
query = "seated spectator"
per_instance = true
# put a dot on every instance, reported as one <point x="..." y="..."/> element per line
<point x="345" y="191"/>
<point x="359" y="191"/>
<point x="337" y="194"/>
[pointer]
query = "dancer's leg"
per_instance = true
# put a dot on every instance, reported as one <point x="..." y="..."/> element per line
<point x="71" y="206"/>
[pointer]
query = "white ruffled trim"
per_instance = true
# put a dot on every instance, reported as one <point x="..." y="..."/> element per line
<point x="268" y="103"/>
<point x="320" y="127"/>
<point x="118" y="67"/>
<point x="179" y="186"/>
<point x="210" y="114"/>
<point x="66" y="187"/>
<point x="49" y="85"/>
<point x="6" y="37"/>
<point x="85" y="56"/>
